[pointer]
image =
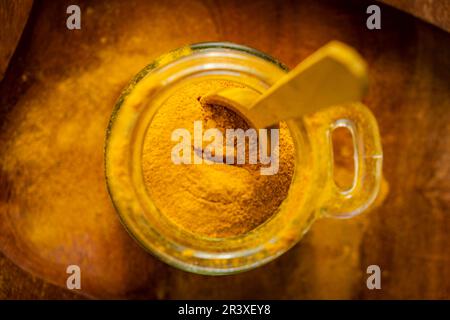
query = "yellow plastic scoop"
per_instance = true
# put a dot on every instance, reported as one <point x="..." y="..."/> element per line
<point x="335" y="74"/>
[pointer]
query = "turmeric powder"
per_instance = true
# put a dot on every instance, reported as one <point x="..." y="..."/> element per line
<point x="218" y="200"/>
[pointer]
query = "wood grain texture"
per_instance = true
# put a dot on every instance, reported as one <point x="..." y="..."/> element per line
<point x="436" y="12"/>
<point x="16" y="284"/>
<point x="58" y="95"/>
<point x="13" y="17"/>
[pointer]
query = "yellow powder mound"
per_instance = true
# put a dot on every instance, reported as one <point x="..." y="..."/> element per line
<point x="218" y="200"/>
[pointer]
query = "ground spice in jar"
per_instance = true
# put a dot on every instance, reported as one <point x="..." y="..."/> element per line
<point x="219" y="200"/>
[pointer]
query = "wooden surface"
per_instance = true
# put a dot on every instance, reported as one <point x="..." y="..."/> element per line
<point x="13" y="17"/>
<point x="436" y="12"/>
<point x="56" y="100"/>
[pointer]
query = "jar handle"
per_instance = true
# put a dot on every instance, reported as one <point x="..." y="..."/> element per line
<point x="368" y="158"/>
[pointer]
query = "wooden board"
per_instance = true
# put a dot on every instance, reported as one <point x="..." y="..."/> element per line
<point x="57" y="97"/>
<point x="436" y="12"/>
<point x="13" y="17"/>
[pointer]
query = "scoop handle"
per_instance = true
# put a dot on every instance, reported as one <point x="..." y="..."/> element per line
<point x="333" y="75"/>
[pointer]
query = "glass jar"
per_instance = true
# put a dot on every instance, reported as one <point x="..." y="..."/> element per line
<point x="313" y="193"/>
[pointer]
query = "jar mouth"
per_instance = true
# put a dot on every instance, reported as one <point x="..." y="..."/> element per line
<point x="123" y="155"/>
<point x="237" y="48"/>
